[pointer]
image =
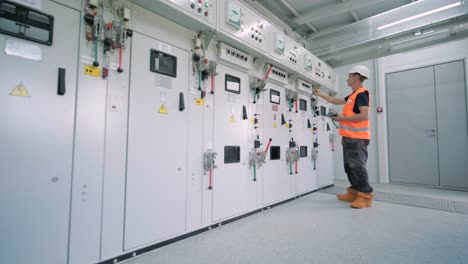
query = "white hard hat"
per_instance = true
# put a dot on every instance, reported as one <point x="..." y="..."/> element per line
<point x="362" y="70"/>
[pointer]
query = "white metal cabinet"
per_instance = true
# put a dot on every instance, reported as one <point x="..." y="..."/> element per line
<point x="230" y="179"/>
<point x="276" y="178"/>
<point x="36" y="144"/>
<point x="157" y="143"/>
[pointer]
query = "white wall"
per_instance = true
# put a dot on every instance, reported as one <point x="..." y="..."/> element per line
<point x="377" y="163"/>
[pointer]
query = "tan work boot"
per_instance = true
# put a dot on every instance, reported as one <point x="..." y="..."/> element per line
<point x="349" y="196"/>
<point x="363" y="200"/>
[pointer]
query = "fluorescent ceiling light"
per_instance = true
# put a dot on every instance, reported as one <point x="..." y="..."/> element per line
<point x="419" y="15"/>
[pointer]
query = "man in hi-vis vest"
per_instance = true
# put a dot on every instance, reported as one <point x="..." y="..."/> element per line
<point x="355" y="130"/>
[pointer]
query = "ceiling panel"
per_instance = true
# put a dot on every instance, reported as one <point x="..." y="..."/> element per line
<point x="333" y="21"/>
<point x="380" y="8"/>
<point x="340" y="30"/>
<point x="307" y="5"/>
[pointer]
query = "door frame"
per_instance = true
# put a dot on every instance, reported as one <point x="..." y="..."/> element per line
<point x="382" y="120"/>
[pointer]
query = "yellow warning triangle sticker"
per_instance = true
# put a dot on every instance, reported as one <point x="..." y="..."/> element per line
<point x="232" y="119"/>
<point x="274" y="125"/>
<point x="20" y="90"/>
<point x="162" y="110"/>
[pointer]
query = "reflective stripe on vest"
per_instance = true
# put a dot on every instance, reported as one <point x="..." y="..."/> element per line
<point x="354" y="129"/>
<point x="360" y="129"/>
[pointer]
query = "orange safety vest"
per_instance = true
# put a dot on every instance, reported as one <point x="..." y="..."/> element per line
<point x="354" y="129"/>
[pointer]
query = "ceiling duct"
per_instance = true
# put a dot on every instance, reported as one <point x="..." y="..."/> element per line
<point x="408" y="18"/>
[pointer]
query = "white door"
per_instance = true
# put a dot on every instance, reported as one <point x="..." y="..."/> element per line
<point x="230" y="178"/>
<point x="36" y="141"/>
<point x="305" y="179"/>
<point x="157" y="142"/>
<point x="276" y="178"/>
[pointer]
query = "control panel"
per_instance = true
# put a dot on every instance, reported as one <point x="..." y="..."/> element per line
<point x="303" y="86"/>
<point x="202" y="10"/>
<point x="330" y="77"/>
<point x="234" y="56"/>
<point x="279" y="76"/>
<point x="307" y="61"/>
<point x="240" y="22"/>
<point x="285" y="49"/>
<point x="318" y="70"/>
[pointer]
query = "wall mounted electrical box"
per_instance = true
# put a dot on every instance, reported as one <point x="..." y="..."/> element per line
<point x="240" y="22"/>
<point x="330" y="77"/>
<point x="279" y="43"/>
<point x="234" y="56"/>
<point x="307" y="62"/>
<point x="278" y="76"/>
<point x="303" y="86"/>
<point x="234" y="14"/>
<point x="318" y="70"/>
<point x="284" y="49"/>
<point x="197" y="15"/>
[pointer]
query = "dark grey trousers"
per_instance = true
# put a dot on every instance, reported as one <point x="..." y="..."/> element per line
<point x="354" y="159"/>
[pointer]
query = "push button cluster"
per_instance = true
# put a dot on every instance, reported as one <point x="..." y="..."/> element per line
<point x="237" y="55"/>
<point x="278" y="73"/>
<point x="256" y="35"/>
<point x="293" y="57"/>
<point x="201" y="8"/>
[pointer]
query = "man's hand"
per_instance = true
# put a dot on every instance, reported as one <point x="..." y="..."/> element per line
<point x="339" y="118"/>
<point x="318" y="93"/>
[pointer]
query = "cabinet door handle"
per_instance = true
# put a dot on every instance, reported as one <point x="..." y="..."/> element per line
<point x="181" y="102"/>
<point x="61" y="89"/>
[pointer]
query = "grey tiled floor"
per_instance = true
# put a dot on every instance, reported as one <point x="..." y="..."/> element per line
<point x="415" y="191"/>
<point x="320" y="229"/>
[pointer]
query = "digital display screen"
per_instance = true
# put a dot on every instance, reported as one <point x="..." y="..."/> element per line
<point x="302" y="105"/>
<point x="232" y="84"/>
<point x="163" y="63"/>
<point x="274" y="97"/>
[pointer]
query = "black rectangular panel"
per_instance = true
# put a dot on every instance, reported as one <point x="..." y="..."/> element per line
<point x="323" y="111"/>
<point x="231" y="154"/>
<point x="163" y="63"/>
<point x="26" y="23"/>
<point x="303" y="151"/>
<point x="274" y="96"/>
<point x="275" y="152"/>
<point x="232" y="84"/>
<point x="302" y="105"/>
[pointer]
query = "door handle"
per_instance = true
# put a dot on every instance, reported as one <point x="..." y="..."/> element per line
<point x="181" y="102"/>
<point x="61" y="90"/>
<point x="430" y="130"/>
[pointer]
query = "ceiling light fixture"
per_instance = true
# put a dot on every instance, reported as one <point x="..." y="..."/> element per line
<point x="419" y="15"/>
